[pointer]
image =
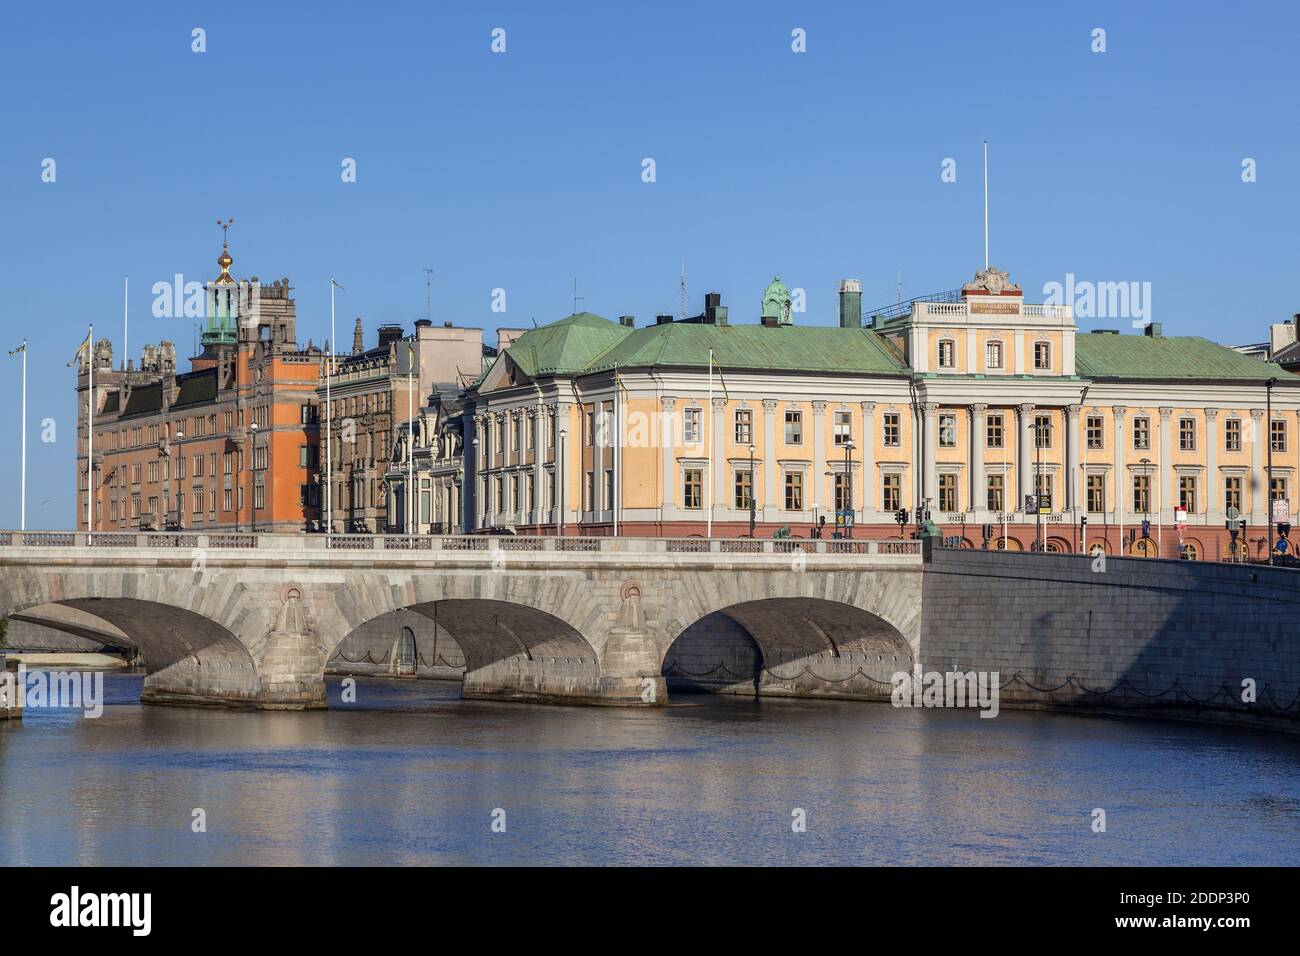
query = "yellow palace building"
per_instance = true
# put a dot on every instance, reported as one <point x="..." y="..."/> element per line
<point x="996" y="417"/>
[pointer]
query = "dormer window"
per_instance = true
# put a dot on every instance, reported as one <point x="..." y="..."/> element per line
<point x="947" y="350"/>
<point x="993" y="354"/>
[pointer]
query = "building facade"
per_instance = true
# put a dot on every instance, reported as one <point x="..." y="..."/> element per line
<point x="993" y="416"/>
<point x="230" y="445"/>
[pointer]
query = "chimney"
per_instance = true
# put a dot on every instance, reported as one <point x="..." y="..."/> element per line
<point x="663" y="319"/>
<point x="627" y="321"/>
<point x="358" y="340"/>
<point x="389" y="334"/>
<point x="1152" y="331"/>
<point x="850" y="303"/>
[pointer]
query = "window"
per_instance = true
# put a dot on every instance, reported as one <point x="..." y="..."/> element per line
<point x="226" y="499"/>
<point x="609" y="489"/>
<point x="948" y="492"/>
<point x="794" y="491"/>
<point x="994" y="428"/>
<point x="259" y="496"/>
<point x="1093" y="428"/>
<point x="589" y="428"/>
<point x="1277" y="435"/>
<point x="842" y="502"/>
<point x="1187" y="494"/>
<point x="1277" y="489"/>
<point x="1042" y="355"/>
<point x="993" y="354"/>
<point x="995" y="493"/>
<point x="501" y="438"/>
<point x="1232" y="434"/>
<point x="1232" y="493"/>
<point x="1043" y="489"/>
<point x="515" y="426"/>
<point x="1186" y="434"/>
<point x="947" y="434"/>
<point x="530" y="503"/>
<point x="891" y="492"/>
<point x="588" y="490"/>
<point x="1042" y="431"/>
<point x="793" y="427"/>
<point x="693" y="488"/>
<point x="1142" y="433"/>
<point x="946" y="352"/>
<point x="744" y="426"/>
<point x="892" y="436"/>
<point x="743" y="489"/>
<point x="1142" y="494"/>
<point x="1096" y="494"/>
<point x="690" y="426"/>
<point x="843" y="428"/>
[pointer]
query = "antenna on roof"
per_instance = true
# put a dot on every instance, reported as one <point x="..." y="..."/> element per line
<point x="986" y="205"/>
<point x="900" y="286"/>
<point x="681" y="294"/>
<point x="428" y="295"/>
<point x="534" y="318"/>
<point x="576" y="298"/>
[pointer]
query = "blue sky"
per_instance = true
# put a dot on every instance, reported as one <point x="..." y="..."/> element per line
<point x="523" y="170"/>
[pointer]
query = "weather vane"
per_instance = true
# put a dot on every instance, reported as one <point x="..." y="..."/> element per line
<point x="225" y="228"/>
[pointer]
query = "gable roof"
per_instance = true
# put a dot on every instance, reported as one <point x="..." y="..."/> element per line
<point x="1144" y="357"/>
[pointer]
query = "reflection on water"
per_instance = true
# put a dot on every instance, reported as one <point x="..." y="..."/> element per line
<point x="411" y="774"/>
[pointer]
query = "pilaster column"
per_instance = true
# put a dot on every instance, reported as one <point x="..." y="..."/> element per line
<point x="930" y="486"/>
<point x="1213" y="494"/>
<point x="1166" y="467"/>
<point x="1121" y="486"/>
<point x="1073" y="500"/>
<point x="1258" y="477"/>
<point x="867" y="445"/>
<point x="667" y="445"/>
<point x="563" y="463"/>
<point x="717" y="473"/>
<point x="1025" y="456"/>
<point x="817" y="480"/>
<point x="978" y="439"/>
<point x="767" y="500"/>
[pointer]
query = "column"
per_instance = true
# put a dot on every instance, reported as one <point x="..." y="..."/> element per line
<point x="978" y="439"/>
<point x="538" y="415"/>
<point x="930" y="487"/>
<point x="563" y="465"/>
<point x="817" y="480"/>
<point x="767" y="504"/>
<point x="1258" y="477"/>
<point x="867" y="445"/>
<point x="1166" y="468"/>
<point x="667" y="445"/>
<point x="1211" y="493"/>
<point x="1025" y="456"/>
<point x="718" y="471"/>
<point x="1074" y="493"/>
<point x="1120" y="490"/>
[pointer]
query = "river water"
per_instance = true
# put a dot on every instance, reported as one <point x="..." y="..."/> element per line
<point x="411" y="774"/>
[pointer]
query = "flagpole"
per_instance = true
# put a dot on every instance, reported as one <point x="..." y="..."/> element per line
<point x="986" y="204"/>
<point x="410" y="437"/>
<point x="90" y="435"/>
<point x="708" y="418"/>
<point x="618" y="460"/>
<point x="329" y="425"/>
<point x="126" y="298"/>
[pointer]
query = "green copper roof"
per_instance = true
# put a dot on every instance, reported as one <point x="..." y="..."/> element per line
<point x="1180" y="357"/>
<point x="566" y="346"/>
<point x="808" y="348"/>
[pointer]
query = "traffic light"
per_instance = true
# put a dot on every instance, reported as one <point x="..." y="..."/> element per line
<point x="1146" y="528"/>
<point x="1083" y="521"/>
<point x="920" y="514"/>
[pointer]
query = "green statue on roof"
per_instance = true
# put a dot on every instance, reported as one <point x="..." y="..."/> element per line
<point x="776" y="302"/>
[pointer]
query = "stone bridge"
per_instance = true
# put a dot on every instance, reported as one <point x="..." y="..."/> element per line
<point x="251" y="620"/>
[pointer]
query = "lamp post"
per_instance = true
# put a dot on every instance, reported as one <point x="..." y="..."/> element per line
<point x="752" y="514"/>
<point x="180" y="482"/>
<point x="1146" y="502"/>
<point x="560" y="502"/>
<point x="1268" y="437"/>
<point x="252" y="477"/>
<point x="474" y="454"/>
<point x="1038" y="486"/>
<point x="22" y="499"/>
<point x="848" y="489"/>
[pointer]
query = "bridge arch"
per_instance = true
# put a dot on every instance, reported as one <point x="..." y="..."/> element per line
<point x="793" y="646"/>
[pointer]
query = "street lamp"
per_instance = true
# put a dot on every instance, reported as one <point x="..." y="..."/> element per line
<point x="180" y="482"/>
<point x="1146" y="503"/>
<point x="1268" y="436"/>
<point x="252" y="480"/>
<point x="752" y="514"/>
<point x="848" y="489"/>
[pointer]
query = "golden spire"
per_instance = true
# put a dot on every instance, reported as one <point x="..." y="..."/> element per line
<point x="224" y="260"/>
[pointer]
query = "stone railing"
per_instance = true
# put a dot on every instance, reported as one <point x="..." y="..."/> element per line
<point x="56" y="540"/>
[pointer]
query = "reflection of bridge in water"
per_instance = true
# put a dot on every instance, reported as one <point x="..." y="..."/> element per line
<point x="252" y="620"/>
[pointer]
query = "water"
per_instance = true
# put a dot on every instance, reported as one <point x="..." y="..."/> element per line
<point x="411" y="774"/>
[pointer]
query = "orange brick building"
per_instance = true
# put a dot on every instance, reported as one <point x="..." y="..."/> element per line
<point x="231" y="445"/>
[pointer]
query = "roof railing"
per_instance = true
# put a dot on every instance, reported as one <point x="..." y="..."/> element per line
<point x="905" y="307"/>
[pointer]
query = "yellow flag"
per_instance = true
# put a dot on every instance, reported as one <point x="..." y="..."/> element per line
<point x="83" y="347"/>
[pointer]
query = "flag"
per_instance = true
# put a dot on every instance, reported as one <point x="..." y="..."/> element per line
<point x="720" y="378"/>
<point x="83" y="347"/>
